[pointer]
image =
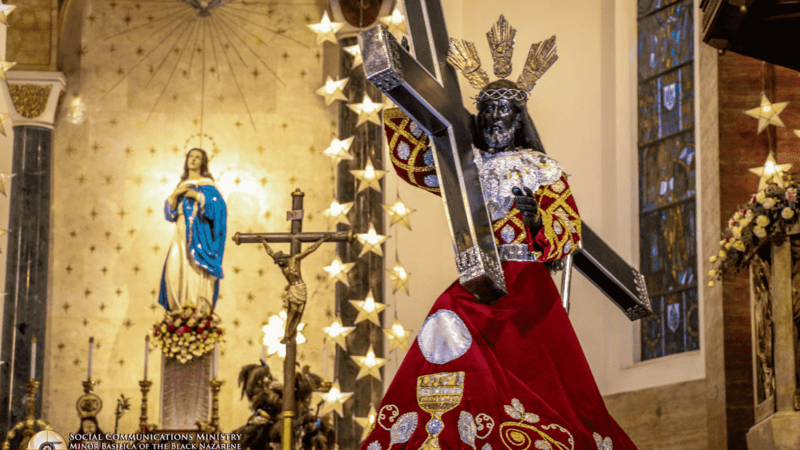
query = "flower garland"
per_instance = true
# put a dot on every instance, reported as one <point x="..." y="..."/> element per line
<point x="187" y="334"/>
<point x="768" y="214"/>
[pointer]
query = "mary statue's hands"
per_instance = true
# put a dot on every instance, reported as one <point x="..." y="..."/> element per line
<point x="529" y="207"/>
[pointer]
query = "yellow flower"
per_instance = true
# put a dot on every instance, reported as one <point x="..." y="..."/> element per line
<point x="739" y="245"/>
<point x="712" y="259"/>
<point x="723" y="255"/>
<point x="743" y="223"/>
<point x="737" y="232"/>
<point x="762" y="221"/>
<point x="712" y="272"/>
<point x="760" y="196"/>
<point x="748" y="215"/>
<point x="787" y="213"/>
<point x="759" y="232"/>
<point x="711" y="283"/>
<point x="728" y="245"/>
<point x="768" y="203"/>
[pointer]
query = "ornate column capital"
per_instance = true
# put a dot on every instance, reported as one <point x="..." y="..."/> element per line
<point x="34" y="96"/>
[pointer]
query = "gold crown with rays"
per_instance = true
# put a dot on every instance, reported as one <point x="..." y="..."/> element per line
<point x="463" y="56"/>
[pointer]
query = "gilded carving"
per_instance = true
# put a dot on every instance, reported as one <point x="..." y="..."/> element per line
<point x="762" y="315"/>
<point x="30" y="100"/>
<point x="796" y="316"/>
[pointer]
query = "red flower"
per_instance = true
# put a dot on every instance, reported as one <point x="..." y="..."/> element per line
<point x="187" y="328"/>
<point x="179" y="332"/>
<point x="219" y="331"/>
<point x="199" y="329"/>
<point x="171" y="327"/>
<point x="207" y="324"/>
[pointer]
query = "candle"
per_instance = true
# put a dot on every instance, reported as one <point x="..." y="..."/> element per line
<point x="146" y="354"/>
<point x="33" y="358"/>
<point x="216" y="359"/>
<point x="91" y="350"/>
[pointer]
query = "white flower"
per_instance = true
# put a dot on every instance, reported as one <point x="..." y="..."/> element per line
<point x="768" y="202"/>
<point x="760" y="196"/>
<point x="748" y="215"/>
<point x="787" y="213"/>
<point x="762" y="221"/>
<point x="759" y="232"/>
<point x="737" y="232"/>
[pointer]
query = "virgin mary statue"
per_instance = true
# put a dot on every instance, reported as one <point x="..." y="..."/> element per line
<point x="194" y="263"/>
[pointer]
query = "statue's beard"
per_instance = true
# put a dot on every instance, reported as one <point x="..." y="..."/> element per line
<point x="497" y="136"/>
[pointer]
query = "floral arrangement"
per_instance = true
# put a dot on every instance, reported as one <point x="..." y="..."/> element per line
<point x="187" y="334"/>
<point x="768" y="214"/>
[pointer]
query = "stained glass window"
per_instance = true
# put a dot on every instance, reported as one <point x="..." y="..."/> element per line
<point x="667" y="194"/>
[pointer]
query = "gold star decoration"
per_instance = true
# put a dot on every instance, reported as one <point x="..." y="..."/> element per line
<point x="399" y="278"/>
<point x="338" y="270"/>
<point x="367" y="111"/>
<point x="3" y="118"/>
<point x="395" y="23"/>
<point x="326" y="30"/>
<point x="369" y="365"/>
<point x="398" y="213"/>
<point x="767" y="113"/>
<point x="5" y="10"/>
<point x="368" y="309"/>
<point x="337" y="213"/>
<point x="339" y="150"/>
<point x="355" y="50"/>
<point x="369" y="177"/>
<point x="4" y="179"/>
<point x="338" y="333"/>
<point x="770" y="172"/>
<point x="275" y="330"/>
<point x="371" y="241"/>
<point x="367" y="422"/>
<point x="332" y="90"/>
<point x="4" y="67"/>
<point x="334" y="399"/>
<point x="398" y="336"/>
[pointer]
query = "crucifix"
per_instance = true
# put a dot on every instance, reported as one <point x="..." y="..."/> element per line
<point x="295" y="291"/>
<point x="425" y="87"/>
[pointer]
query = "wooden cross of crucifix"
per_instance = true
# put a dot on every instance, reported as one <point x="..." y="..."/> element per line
<point x="296" y="292"/>
<point x="426" y="89"/>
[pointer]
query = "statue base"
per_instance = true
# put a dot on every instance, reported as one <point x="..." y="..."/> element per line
<point x="780" y="431"/>
<point x="185" y="392"/>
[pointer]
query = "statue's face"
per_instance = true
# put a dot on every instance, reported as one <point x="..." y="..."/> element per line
<point x="498" y="120"/>
<point x="194" y="160"/>
<point x="88" y="426"/>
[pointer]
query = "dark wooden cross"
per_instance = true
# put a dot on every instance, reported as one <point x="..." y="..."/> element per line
<point x="426" y="88"/>
<point x="295" y="238"/>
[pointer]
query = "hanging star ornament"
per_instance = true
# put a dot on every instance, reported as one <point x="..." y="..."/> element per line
<point x="4" y="179"/>
<point x="333" y="90"/>
<point x="340" y="150"/>
<point x="767" y="113"/>
<point x="355" y="50"/>
<point x="338" y="271"/>
<point x="334" y="399"/>
<point x="371" y="241"/>
<point x="399" y="278"/>
<point x="338" y="333"/>
<point x="337" y="213"/>
<point x="3" y="118"/>
<point x="366" y="423"/>
<point x="326" y="30"/>
<point x="369" y="365"/>
<point x="398" y="336"/>
<point x="398" y="213"/>
<point x="368" y="309"/>
<point x="275" y="330"/>
<point x="367" y="111"/>
<point x="369" y="177"/>
<point x="395" y="23"/>
<point x="4" y="67"/>
<point x="770" y="172"/>
<point x="5" y="10"/>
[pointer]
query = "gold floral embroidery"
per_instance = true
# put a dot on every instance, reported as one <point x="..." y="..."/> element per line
<point x="515" y="435"/>
<point x="392" y="411"/>
<point x="437" y="394"/>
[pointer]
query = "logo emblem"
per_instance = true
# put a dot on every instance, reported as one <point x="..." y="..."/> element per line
<point x="674" y="316"/>
<point x="47" y="440"/>
<point x="670" y="95"/>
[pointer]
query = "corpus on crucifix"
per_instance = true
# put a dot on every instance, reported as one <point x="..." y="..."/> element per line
<point x="296" y="293"/>
<point x="500" y="336"/>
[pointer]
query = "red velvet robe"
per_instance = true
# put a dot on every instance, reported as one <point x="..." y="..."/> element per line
<point x="510" y="375"/>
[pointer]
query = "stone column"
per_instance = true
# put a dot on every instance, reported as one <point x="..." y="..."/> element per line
<point x="35" y="97"/>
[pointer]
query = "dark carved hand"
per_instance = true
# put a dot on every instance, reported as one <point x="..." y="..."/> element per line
<point x="529" y="207"/>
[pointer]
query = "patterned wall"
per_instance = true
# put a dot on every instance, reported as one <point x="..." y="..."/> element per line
<point x="156" y="79"/>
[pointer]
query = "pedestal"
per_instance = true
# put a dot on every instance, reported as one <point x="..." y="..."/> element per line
<point x="185" y="395"/>
<point x="776" y="374"/>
